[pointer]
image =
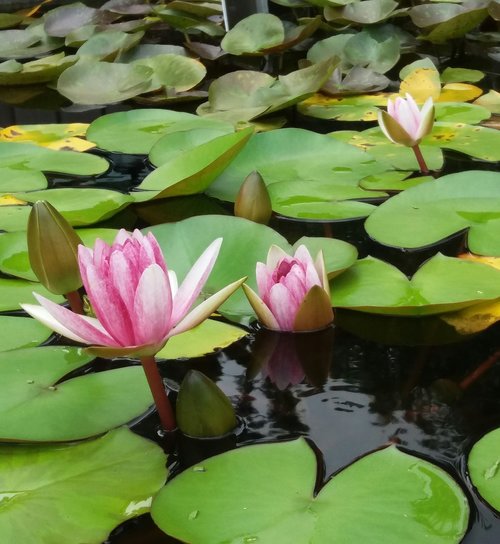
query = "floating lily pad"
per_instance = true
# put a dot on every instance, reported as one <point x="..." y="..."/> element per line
<point x="24" y="156"/>
<point x="128" y="7"/>
<point x="14" y="250"/>
<point x="36" y="71"/>
<point x="206" y="338"/>
<point x="194" y="170"/>
<point x="442" y="284"/>
<point x="62" y="20"/>
<point x="345" y="108"/>
<point x="429" y="213"/>
<point x="12" y="292"/>
<point x="40" y="407"/>
<point x="109" y="44"/>
<point x="67" y="137"/>
<point x="490" y="101"/>
<point x="483" y="467"/>
<point x="21" y="332"/>
<point x="459" y="75"/>
<point x="137" y="131"/>
<point x="89" y="487"/>
<point x="188" y="22"/>
<point x="14" y="180"/>
<point x="245" y="243"/>
<point x="148" y="50"/>
<point x="89" y="82"/>
<point x="392" y="181"/>
<point x="460" y="112"/>
<point x="295" y="154"/>
<point x="365" y="12"/>
<point x="220" y="500"/>
<point x="27" y="43"/>
<point x="9" y="20"/>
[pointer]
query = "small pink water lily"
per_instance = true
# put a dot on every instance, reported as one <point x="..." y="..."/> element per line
<point x="293" y="294"/>
<point x="136" y="299"/>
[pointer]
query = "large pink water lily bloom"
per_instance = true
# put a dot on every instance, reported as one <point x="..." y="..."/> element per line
<point x="404" y="123"/>
<point x="293" y="294"/>
<point x="136" y="300"/>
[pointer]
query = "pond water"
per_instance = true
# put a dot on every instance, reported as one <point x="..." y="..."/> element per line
<point x="356" y="387"/>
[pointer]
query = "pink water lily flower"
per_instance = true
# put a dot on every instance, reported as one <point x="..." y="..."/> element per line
<point x="136" y="300"/>
<point x="293" y="291"/>
<point x="404" y="123"/>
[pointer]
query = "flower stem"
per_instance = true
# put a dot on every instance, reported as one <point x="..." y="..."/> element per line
<point x="155" y="382"/>
<point x="480" y="370"/>
<point x="75" y="302"/>
<point x="420" y="160"/>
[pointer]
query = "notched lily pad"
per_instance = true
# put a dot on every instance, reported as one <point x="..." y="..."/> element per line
<point x="483" y="466"/>
<point x="21" y="332"/>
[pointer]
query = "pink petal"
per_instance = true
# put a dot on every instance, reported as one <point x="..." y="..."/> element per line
<point x="264" y="277"/>
<point x="295" y="282"/>
<point x="157" y="252"/>
<point x="274" y="256"/>
<point x="152" y="307"/>
<point x="195" y="280"/>
<point x="122" y="237"/>
<point x="124" y="277"/>
<point x="283" y="307"/>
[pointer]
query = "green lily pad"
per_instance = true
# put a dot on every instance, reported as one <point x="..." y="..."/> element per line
<point x="295" y="154"/>
<point x="9" y="20"/>
<point x="90" y="82"/>
<point x="89" y="487"/>
<point x="14" y="250"/>
<point x="109" y="45"/>
<point x="41" y="408"/>
<point x="21" y="332"/>
<point x="442" y="284"/>
<point x="460" y="112"/>
<point x="148" y="50"/>
<point x="430" y="212"/>
<point x="27" y="43"/>
<point x="194" y="170"/>
<point x="392" y="181"/>
<point x="245" y="243"/>
<point x="175" y="72"/>
<point x="206" y="338"/>
<point x="459" y="75"/>
<point x="128" y="7"/>
<point x="23" y="156"/>
<point x="326" y="210"/>
<point x="13" y="292"/>
<point x="36" y="71"/>
<point x="475" y="141"/>
<point x="188" y="22"/>
<point x="483" y="465"/>
<point x="254" y="33"/>
<point x="365" y="12"/>
<point x="13" y="180"/>
<point x="137" y="131"/>
<point x="220" y="500"/>
<point x="62" y="20"/>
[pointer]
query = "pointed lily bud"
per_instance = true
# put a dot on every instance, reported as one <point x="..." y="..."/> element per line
<point x="253" y="201"/>
<point x="203" y="411"/>
<point x="53" y="249"/>
<point x="403" y="123"/>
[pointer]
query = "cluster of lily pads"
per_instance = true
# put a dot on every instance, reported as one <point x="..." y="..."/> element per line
<point x="188" y="171"/>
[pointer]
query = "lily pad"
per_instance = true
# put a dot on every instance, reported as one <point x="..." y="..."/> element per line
<point x="137" y="131"/>
<point x="245" y="243"/>
<point x="221" y="501"/>
<point x="483" y="467"/>
<point x="206" y="338"/>
<point x="459" y="75"/>
<point x="42" y="408"/>
<point x="14" y="180"/>
<point x="9" y="20"/>
<point x="62" y="20"/>
<point x="442" y="284"/>
<point x="109" y="45"/>
<point x="344" y="108"/>
<point x="27" y="43"/>
<point x="89" y="82"/>
<point x="14" y="250"/>
<point x="433" y="211"/>
<point x="89" y="487"/>
<point x="128" y="7"/>
<point x="63" y="136"/>
<point x="364" y="12"/>
<point x="36" y="71"/>
<point x="460" y="112"/>
<point x="295" y="154"/>
<point x="194" y="170"/>
<point x="21" y="332"/>
<point x="188" y="22"/>
<point x="12" y="292"/>
<point x="254" y="33"/>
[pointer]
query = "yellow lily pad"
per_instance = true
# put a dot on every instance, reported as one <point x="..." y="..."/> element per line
<point x="459" y="92"/>
<point x="490" y="100"/>
<point x="491" y="261"/>
<point x="474" y="319"/>
<point x="422" y="83"/>
<point x="11" y="200"/>
<point x="63" y="136"/>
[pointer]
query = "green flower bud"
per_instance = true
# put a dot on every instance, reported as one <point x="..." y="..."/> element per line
<point x="53" y="249"/>
<point x="253" y="201"/>
<point x="202" y="409"/>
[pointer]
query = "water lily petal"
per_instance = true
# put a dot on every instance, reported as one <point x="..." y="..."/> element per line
<point x="274" y="256"/>
<point x="315" y="312"/>
<point x="283" y="306"/>
<point x="263" y="313"/>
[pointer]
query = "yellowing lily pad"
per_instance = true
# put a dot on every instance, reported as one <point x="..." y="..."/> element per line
<point x="422" y="83"/>
<point x="474" y="319"/>
<point x="61" y="136"/>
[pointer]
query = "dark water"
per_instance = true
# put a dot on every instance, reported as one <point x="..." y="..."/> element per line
<point x="368" y="381"/>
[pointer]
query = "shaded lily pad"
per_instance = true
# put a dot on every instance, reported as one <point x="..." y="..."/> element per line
<point x="9" y="20"/>
<point x="21" y="332"/>
<point x="42" y="408"/>
<point x="62" y="20"/>
<point x="206" y="338"/>
<point x="193" y="170"/>
<point x="442" y="284"/>
<point x="109" y="45"/>
<point x="36" y="71"/>
<point x="221" y="501"/>
<point x="137" y="131"/>
<point x="245" y="243"/>
<point x="490" y="101"/>
<point x="89" y="82"/>
<point x="89" y="487"/>
<point x="295" y="154"/>
<point x="483" y="467"/>
<point x="27" y="43"/>
<point x="148" y="50"/>
<point x="362" y="12"/>
<point x="188" y="22"/>
<point x="14" y="250"/>
<point x="128" y="7"/>
<point x="430" y="212"/>
<point x="12" y="292"/>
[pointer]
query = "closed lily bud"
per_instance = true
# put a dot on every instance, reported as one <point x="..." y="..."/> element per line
<point x="253" y="201"/>
<point x="53" y="249"/>
<point x="404" y="123"/>
<point x="203" y="411"/>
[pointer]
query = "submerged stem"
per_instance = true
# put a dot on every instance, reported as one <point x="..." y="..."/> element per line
<point x="420" y="159"/>
<point x="480" y="370"/>
<point x="75" y="302"/>
<point x="160" y="397"/>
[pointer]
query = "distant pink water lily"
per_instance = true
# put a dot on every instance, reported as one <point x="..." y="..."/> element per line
<point x="136" y="299"/>
<point x="293" y="291"/>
